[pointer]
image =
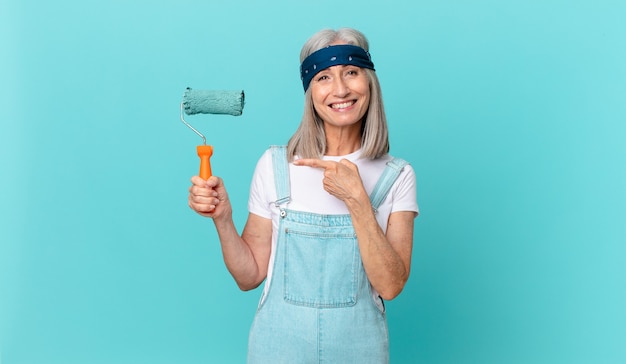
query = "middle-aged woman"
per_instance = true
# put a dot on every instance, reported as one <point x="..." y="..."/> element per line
<point x="330" y="224"/>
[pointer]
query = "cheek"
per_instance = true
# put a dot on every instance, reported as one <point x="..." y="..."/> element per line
<point x="317" y="93"/>
<point x="362" y="87"/>
<point x="317" y="104"/>
<point x="366" y="94"/>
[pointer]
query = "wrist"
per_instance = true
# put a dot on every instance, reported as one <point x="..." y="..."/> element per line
<point x="224" y="219"/>
<point x="359" y="204"/>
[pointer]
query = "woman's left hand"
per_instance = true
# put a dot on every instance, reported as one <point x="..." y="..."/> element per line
<point x="341" y="179"/>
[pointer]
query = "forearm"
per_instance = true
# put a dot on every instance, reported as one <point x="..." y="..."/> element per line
<point x="245" y="256"/>
<point x="238" y="255"/>
<point x="385" y="268"/>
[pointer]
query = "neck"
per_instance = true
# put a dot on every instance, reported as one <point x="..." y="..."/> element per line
<point x="342" y="141"/>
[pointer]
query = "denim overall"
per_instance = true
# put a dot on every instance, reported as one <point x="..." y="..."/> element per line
<point x="319" y="307"/>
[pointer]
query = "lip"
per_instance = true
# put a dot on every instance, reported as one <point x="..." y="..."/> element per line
<point x="344" y="105"/>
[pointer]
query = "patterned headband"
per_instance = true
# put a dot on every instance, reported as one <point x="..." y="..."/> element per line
<point x="343" y="54"/>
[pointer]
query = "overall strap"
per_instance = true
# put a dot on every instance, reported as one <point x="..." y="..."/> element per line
<point x="386" y="180"/>
<point x="281" y="174"/>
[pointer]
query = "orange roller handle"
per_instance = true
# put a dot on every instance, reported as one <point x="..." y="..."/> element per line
<point x="205" y="152"/>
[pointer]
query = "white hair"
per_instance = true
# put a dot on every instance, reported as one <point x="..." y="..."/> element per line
<point x="309" y="140"/>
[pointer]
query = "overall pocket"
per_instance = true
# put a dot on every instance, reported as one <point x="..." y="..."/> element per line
<point x="322" y="269"/>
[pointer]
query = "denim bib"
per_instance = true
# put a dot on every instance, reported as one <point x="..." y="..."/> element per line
<point x="319" y="306"/>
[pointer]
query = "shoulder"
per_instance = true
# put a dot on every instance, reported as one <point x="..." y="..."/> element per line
<point x="399" y="162"/>
<point x="263" y="170"/>
<point x="262" y="191"/>
<point x="387" y="161"/>
<point x="407" y="173"/>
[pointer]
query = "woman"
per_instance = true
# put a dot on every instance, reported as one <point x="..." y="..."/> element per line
<point x="330" y="224"/>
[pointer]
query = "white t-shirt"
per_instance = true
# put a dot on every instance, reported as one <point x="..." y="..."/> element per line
<point x="308" y="194"/>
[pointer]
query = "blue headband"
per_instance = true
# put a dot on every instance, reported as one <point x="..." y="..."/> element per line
<point x="343" y="54"/>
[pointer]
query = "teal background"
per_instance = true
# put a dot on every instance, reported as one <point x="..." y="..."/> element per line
<point x="511" y="112"/>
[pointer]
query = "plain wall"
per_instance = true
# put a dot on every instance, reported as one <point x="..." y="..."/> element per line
<point x="512" y="113"/>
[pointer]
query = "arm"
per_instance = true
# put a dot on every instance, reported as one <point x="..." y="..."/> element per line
<point x="246" y="256"/>
<point x="386" y="257"/>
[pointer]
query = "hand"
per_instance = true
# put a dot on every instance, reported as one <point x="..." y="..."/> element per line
<point x="208" y="197"/>
<point x="341" y="179"/>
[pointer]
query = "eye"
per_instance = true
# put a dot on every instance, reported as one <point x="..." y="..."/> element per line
<point x="352" y="71"/>
<point x="322" y="77"/>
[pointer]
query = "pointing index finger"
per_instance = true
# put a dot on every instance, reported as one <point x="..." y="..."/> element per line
<point x="312" y="162"/>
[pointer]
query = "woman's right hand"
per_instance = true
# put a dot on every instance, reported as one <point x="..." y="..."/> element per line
<point x="209" y="198"/>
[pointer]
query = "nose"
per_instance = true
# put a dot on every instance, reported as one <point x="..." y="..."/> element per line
<point x="340" y="88"/>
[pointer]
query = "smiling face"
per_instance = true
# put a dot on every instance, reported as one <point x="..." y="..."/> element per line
<point x="341" y="96"/>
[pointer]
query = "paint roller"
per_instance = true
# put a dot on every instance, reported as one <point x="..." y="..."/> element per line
<point x="221" y="102"/>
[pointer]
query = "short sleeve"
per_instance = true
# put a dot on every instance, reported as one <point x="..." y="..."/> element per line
<point x="261" y="187"/>
<point x="404" y="193"/>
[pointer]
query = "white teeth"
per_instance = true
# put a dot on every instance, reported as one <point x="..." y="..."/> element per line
<point x="343" y="105"/>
